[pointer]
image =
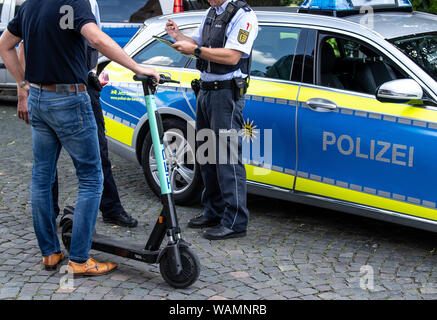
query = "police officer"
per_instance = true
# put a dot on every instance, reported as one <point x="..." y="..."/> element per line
<point x="110" y="204"/>
<point x="223" y="46"/>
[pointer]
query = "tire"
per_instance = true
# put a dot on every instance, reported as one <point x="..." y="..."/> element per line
<point x="188" y="182"/>
<point x="190" y="269"/>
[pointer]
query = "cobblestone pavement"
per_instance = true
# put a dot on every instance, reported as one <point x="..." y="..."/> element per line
<point x="291" y="251"/>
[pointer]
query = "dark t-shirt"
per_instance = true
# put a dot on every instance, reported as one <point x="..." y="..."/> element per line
<point x="55" y="50"/>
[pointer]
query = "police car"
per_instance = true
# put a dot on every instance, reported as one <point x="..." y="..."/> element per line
<point x="340" y="111"/>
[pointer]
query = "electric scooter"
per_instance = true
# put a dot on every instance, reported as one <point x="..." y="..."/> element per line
<point x="178" y="264"/>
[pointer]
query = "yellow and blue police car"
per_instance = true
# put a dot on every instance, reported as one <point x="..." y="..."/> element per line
<point x="340" y="113"/>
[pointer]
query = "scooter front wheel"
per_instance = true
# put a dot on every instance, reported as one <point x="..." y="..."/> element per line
<point x="190" y="269"/>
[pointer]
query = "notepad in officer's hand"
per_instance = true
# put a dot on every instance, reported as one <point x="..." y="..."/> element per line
<point x="165" y="41"/>
<point x="170" y="42"/>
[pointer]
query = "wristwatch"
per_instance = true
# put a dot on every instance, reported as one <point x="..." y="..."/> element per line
<point x="197" y="52"/>
<point x="23" y="83"/>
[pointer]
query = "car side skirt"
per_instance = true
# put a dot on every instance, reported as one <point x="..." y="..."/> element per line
<point x="122" y="150"/>
<point x="343" y="206"/>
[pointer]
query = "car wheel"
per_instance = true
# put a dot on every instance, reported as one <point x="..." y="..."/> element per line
<point x="187" y="183"/>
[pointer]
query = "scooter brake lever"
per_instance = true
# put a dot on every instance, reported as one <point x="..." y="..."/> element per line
<point x="166" y="79"/>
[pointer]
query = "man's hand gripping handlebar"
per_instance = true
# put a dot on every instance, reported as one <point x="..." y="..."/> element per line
<point x="152" y="80"/>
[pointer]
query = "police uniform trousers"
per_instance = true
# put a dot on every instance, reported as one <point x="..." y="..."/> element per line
<point x="225" y="190"/>
<point x="110" y="203"/>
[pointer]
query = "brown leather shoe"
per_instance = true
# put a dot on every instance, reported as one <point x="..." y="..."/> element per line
<point x="51" y="262"/>
<point x="91" y="268"/>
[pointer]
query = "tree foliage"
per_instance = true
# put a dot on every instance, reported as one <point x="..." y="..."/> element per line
<point x="419" y="5"/>
<point x="425" y="5"/>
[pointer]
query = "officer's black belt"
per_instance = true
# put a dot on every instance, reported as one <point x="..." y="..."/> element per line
<point x="216" y="85"/>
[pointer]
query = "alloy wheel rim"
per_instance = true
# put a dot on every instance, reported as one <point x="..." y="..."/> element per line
<point x="180" y="161"/>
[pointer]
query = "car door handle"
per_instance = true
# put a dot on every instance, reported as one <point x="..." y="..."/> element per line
<point x="321" y="105"/>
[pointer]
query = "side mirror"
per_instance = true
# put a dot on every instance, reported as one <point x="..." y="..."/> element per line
<point x="399" y="91"/>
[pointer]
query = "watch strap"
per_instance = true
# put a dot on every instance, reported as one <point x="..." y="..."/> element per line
<point x="23" y="83"/>
<point x="197" y="52"/>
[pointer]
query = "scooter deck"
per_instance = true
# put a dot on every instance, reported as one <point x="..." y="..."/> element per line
<point x="126" y="249"/>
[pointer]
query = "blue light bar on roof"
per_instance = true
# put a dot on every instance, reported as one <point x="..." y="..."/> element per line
<point x="327" y="5"/>
<point x="404" y="3"/>
<point x="346" y="7"/>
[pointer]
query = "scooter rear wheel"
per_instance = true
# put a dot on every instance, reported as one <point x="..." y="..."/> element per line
<point x="190" y="269"/>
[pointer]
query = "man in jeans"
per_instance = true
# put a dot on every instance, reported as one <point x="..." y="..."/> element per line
<point x="61" y="115"/>
<point x="110" y="204"/>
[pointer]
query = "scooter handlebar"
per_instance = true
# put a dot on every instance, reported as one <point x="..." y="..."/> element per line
<point x="162" y="79"/>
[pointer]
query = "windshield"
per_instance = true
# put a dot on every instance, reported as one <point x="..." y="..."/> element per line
<point x="422" y="49"/>
<point x="119" y="10"/>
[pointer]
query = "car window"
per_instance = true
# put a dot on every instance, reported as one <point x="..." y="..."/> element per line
<point x="273" y="52"/>
<point x="422" y="49"/>
<point x="352" y="65"/>
<point x="18" y="4"/>
<point x="160" y="54"/>
<point x="119" y="10"/>
<point x="195" y="4"/>
<point x="1" y="9"/>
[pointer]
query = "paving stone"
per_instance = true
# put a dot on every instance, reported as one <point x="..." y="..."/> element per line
<point x="329" y="296"/>
<point x="231" y="294"/>
<point x="132" y="297"/>
<point x="112" y="297"/>
<point x="309" y="297"/>
<point x="239" y="274"/>
<point x="93" y="296"/>
<point x="429" y="290"/>
<point x="119" y="277"/>
<point x="307" y="291"/>
<point x="291" y="294"/>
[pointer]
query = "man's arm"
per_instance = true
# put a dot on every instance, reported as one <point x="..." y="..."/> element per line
<point x="109" y="48"/>
<point x="16" y="67"/>
<point x="8" y="42"/>
<point x="22" y="93"/>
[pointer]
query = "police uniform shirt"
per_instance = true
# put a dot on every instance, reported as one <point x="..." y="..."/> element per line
<point x="96" y="12"/>
<point x="241" y="33"/>
<point x="93" y="55"/>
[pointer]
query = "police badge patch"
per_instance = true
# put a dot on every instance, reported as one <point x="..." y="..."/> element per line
<point x="243" y="35"/>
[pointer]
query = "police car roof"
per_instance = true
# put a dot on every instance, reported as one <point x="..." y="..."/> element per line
<point x="399" y="24"/>
<point x="387" y="25"/>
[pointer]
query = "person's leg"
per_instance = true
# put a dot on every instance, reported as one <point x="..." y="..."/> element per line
<point x="73" y="121"/>
<point x="211" y="195"/>
<point x="55" y="195"/>
<point x="227" y="121"/>
<point x="46" y="149"/>
<point x="110" y="204"/>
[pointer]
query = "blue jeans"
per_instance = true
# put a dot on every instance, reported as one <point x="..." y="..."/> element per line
<point x="66" y="121"/>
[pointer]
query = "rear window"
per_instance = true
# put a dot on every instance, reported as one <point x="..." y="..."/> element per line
<point x="195" y="4"/>
<point x="273" y="52"/>
<point x="1" y="7"/>
<point x="119" y="10"/>
<point x="18" y="4"/>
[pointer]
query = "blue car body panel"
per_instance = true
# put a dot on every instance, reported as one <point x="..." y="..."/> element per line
<point x="120" y="33"/>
